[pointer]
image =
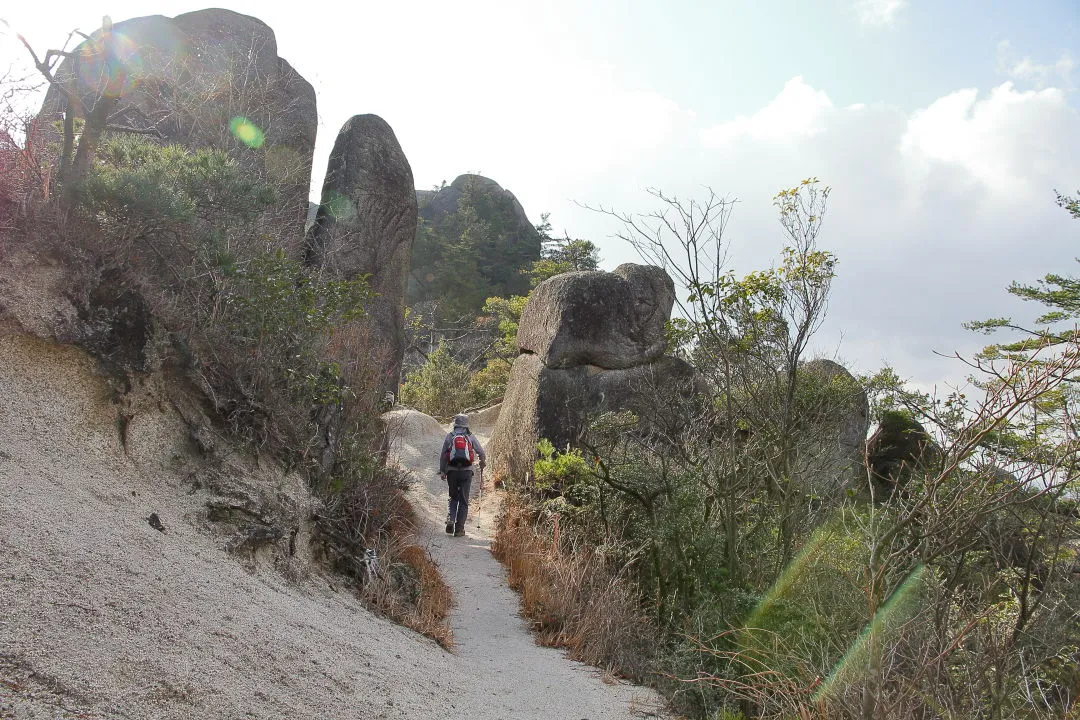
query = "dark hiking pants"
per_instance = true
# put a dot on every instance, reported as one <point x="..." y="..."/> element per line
<point x="459" y="484"/>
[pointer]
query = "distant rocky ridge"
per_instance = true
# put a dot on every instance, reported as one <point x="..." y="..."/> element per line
<point x="436" y="204"/>
<point x="473" y="242"/>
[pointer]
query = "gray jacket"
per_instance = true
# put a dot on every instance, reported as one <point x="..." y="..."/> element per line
<point x="481" y="456"/>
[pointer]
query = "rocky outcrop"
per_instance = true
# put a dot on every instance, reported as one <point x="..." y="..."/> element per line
<point x="483" y="421"/>
<point x="501" y="240"/>
<point x="366" y="224"/>
<point x="612" y="320"/>
<point x="590" y="342"/>
<point x="207" y="79"/>
<point x="836" y="413"/>
<point x="446" y="201"/>
<point x="899" y="448"/>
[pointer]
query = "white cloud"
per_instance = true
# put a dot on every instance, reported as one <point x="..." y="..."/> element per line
<point x="799" y="110"/>
<point x="1006" y="141"/>
<point x="1040" y="75"/>
<point x="933" y="212"/>
<point x="879" y="13"/>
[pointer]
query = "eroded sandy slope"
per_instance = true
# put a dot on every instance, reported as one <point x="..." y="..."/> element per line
<point x="103" y="616"/>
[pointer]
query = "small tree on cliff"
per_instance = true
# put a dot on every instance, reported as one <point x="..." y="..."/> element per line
<point x="101" y="62"/>
<point x="561" y="255"/>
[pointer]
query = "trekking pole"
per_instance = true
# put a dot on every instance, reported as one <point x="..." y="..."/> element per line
<point x="480" y="502"/>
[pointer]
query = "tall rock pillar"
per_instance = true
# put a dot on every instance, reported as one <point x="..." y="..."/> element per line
<point x="366" y="225"/>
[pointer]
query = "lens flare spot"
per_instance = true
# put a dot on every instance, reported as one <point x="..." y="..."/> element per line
<point x="795" y="571"/>
<point x="246" y="132"/>
<point x="339" y="207"/>
<point x="886" y="625"/>
<point x="110" y="63"/>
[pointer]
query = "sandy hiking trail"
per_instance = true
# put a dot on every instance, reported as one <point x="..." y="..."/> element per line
<point x="490" y="635"/>
<point x="105" y="615"/>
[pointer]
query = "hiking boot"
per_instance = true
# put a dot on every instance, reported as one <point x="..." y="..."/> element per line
<point x="449" y="528"/>
<point x="459" y="533"/>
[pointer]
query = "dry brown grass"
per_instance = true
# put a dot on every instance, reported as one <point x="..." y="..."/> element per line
<point x="371" y="515"/>
<point x="574" y="600"/>
<point x="412" y="592"/>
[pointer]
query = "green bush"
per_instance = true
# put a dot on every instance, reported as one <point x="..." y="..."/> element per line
<point x="138" y="190"/>
<point x="489" y="383"/>
<point x="279" y="318"/>
<point x="559" y="470"/>
<point x="182" y="227"/>
<point x="564" y="485"/>
<point x="441" y="387"/>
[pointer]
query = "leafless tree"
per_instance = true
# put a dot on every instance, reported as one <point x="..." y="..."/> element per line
<point x="749" y="337"/>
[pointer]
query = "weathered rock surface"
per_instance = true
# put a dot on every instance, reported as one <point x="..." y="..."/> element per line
<point x="188" y="77"/>
<point x="483" y="421"/>
<point x="838" y="419"/>
<point x="591" y="342"/>
<point x="366" y="225"/>
<point x="611" y="320"/>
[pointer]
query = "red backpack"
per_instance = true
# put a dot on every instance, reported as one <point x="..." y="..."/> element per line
<point x="460" y="452"/>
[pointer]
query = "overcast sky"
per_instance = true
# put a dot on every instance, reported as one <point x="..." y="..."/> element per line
<point x="943" y="127"/>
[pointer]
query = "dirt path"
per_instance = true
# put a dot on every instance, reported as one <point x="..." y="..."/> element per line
<point x="512" y="677"/>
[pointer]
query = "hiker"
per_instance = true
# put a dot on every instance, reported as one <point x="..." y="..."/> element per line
<point x="460" y="450"/>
